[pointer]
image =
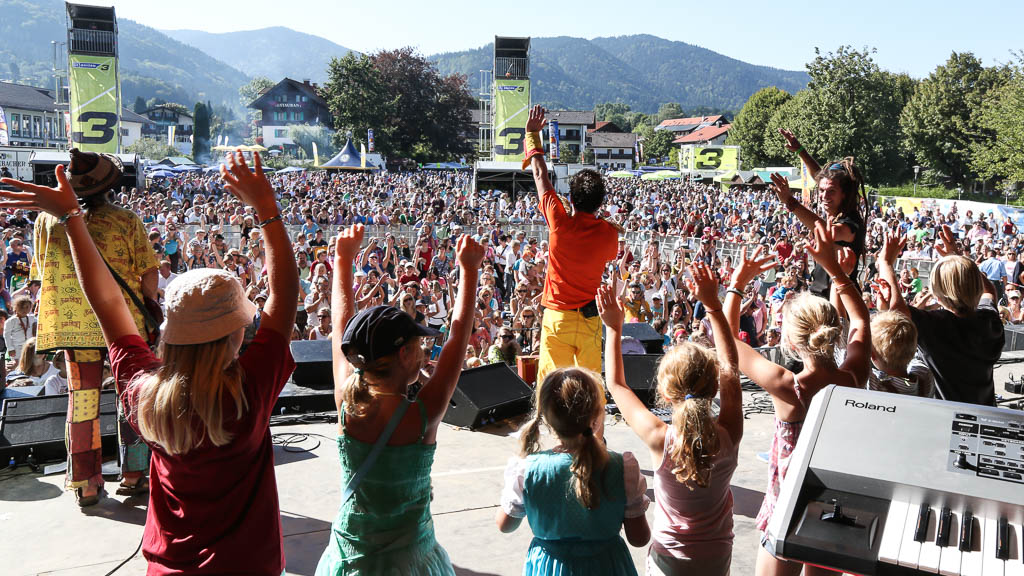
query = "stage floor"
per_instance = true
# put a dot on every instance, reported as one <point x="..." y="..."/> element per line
<point x="46" y="533"/>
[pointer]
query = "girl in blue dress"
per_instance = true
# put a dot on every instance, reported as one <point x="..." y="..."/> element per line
<point x="578" y="495"/>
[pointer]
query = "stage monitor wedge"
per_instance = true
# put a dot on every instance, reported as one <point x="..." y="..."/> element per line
<point x="487" y="394"/>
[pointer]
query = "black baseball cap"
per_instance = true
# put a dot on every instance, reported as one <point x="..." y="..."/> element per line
<point x="379" y="331"/>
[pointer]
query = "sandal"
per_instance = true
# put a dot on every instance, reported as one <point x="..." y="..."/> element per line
<point x="86" y="501"/>
<point x="141" y="486"/>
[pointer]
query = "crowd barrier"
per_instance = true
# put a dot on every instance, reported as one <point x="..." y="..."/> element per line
<point x="637" y="241"/>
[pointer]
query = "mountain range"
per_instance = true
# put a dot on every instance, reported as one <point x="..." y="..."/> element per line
<point x="186" y="66"/>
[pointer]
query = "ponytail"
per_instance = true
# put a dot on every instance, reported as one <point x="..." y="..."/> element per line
<point x="588" y="460"/>
<point x="529" y="437"/>
<point x="356" y="392"/>
<point x="688" y="378"/>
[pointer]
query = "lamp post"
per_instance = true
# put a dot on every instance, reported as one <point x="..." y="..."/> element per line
<point x="916" y="170"/>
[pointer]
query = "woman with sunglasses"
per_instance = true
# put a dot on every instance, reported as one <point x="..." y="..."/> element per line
<point x="841" y="195"/>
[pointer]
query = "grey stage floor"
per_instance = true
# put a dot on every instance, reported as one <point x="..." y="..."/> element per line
<point x="43" y="532"/>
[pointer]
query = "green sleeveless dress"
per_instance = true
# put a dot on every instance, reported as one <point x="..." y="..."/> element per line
<point x="385" y="528"/>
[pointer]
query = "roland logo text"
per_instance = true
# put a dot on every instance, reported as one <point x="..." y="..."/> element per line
<point x="870" y="406"/>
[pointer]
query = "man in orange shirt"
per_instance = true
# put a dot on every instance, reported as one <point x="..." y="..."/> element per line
<point x="580" y="244"/>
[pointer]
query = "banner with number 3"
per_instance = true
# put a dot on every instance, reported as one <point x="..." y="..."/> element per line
<point x="95" y="103"/>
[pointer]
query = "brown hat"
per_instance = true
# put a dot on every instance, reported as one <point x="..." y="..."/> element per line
<point x="93" y="173"/>
<point x="204" y="305"/>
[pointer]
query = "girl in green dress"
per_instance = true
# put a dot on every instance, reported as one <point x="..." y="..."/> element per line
<point x="384" y="525"/>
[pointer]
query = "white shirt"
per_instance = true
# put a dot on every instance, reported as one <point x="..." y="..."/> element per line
<point x="16" y="332"/>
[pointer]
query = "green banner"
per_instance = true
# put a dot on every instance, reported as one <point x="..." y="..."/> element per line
<point x="511" y="110"/>
<point x="717" y="158"/>
<point x="95" y="104"/>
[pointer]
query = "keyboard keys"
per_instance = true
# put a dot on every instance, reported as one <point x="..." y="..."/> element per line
<point x="1002" y="539"/>
<point x="973" y="557"/>
<point x="945" y="519"/>
<point x="924" y="512"/>
<point x="892" y="533"/>
<point x="910" y="548"/>
<point x="931" y="552"/>
<point x="991" y="564"/>
<point x="1015" y="562"/>
<point x="949" y="563"/>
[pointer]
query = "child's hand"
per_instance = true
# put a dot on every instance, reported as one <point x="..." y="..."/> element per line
<point x="704" y="285"/>
<point x="749" y="268"/>
<point x="893" y="245"/>
<point x="253" y="189"/>
<point x="847" y="260"/>
<point x="824" y="249"/>
<point x="609" y="308"/>
<point x="470" y="254"/>
<point x="56" y="201"/>
<point x="349" y="241"/>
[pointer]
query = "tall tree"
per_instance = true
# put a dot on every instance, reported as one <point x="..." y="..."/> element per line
<point x="247" y="95"/>
<point x="668" y="111"/>
<point x="200" y="133"/>
<point x="140" y="105"/>
<point x="942" y="120"/>
<point x="414" y="111"/>
<point x="1002" y="114"/>
<point x="850" y="108"/>
<point x="748" y="129"/>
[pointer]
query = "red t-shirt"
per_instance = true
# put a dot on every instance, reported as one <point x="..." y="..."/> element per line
<point x="579" y="247"/>
<point x="214" y="510"/>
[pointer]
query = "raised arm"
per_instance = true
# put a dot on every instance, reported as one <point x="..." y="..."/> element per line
<point x="760" y="370"/>
<point x="535" y="150"/>
<point x="705" y="287"/>
<point x="345" y="250"/>
<point x="283" y="278"/>
<point x="893" y="245"/>
<point x="100" y="288"/>
<point x="438" y="391"/>
<point x="793" y="145"/>
<point x="858" y="346"/>
<point x="647" y="426"/>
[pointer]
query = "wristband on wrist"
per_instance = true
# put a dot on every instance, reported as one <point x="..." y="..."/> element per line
<point x="799" y="150"/>
<point x="270" y="220"/>
<point x="533" y="141"/>
<point x="64" y="219"/>
<point x="735" y="291"/>
<point x="712" y="310"/>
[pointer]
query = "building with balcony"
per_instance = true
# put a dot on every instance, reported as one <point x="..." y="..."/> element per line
<point x="289" y="103"/>
<point x="573" y="126"/>
<point x="614" y="150"/>
<point x="32" y="116"/>
<point x="159" y="120"/>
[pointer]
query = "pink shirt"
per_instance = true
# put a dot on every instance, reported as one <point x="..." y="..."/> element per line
<point x="695" y="523"/>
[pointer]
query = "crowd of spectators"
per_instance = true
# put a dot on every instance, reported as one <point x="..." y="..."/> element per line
<point x="194" y="222"/>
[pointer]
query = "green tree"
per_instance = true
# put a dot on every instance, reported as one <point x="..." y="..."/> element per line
<point x="941" y="122"/>
<point x="656" y="143"/>
<point x="140" y="105"/>
<point x="850" y="108"/>
<point x="200" y="133"/>
<point x="604" y="111"/>
<point x="1002" y="114"/>
<point x="247" y="95"/>
<point x="152" y="148"/>
<point x="305" y="136"/>
<point x="15" y="71"/>
<point x="414" y="111"/>
<point x="748" y="129"/>
<point x="567" y="155"/>
<point x="669" y="111"/>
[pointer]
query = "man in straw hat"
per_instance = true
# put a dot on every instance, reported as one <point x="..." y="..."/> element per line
<point x="66" y="322"/>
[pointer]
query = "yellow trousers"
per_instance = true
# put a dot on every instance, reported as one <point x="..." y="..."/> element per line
<point x="568" y="338"/>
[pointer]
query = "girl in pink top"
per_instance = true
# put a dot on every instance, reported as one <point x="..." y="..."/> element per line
<point x="694" y="457"/>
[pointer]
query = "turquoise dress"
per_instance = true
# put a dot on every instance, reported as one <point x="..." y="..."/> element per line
<point x="385" y="528"/>
<point x="570" y="540"/>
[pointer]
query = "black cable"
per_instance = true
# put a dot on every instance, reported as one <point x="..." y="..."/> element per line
<point x="290" y="441"/>
<point x="126" y="560"/>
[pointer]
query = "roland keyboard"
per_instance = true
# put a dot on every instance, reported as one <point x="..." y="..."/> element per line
<point x="884" y="484"/>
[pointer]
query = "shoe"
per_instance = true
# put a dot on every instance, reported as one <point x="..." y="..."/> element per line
<point x="140" y="487"/>
<point x="86" y="501"/>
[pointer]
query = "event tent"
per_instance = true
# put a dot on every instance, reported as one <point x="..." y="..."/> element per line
<point x="348" y="159"/>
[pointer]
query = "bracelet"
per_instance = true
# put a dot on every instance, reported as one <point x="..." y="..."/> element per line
<point x="532" y="141"/>
<point x="64" y="219"/>
<point x="735" y="291"/>
<point x="799" y="150"/>
<point x="712" y="310"/>
<point x="271" y="220"/>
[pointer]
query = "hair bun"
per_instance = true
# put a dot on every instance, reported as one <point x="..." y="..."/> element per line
<point x="822" y="341"/>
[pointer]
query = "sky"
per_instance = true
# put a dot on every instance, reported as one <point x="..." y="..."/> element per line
<point x="910" y="36"/>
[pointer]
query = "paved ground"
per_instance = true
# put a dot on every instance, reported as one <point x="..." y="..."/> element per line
<point x="43" y="532"/>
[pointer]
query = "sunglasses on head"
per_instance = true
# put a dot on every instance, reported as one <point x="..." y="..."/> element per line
<point x="506" y="336"/>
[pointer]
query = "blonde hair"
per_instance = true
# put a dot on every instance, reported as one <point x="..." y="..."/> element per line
<point x="568" y="401"/>
<point x="358" y="390"/>
<point x="894" y="339"/>
<point x="27" y="357"/>
<point x="688" y="379"/>
<point x="22" y="303"/>
<point x="192" y="386"/>
<point x="811" y="327"/>
<point x="957" y="284"/>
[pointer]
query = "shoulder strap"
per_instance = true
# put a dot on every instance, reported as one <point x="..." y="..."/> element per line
<point x="357" y="478"/>
<point x="146" y="316"/>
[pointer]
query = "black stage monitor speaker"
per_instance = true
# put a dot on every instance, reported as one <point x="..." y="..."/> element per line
<point x="1014" y="338"/>
<point x="37" y="425"/>
<point x="312" y="364"/>
<point x="487" y="394"/>
<point x="642" y="375"/>
<point x="653" y="342"/>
